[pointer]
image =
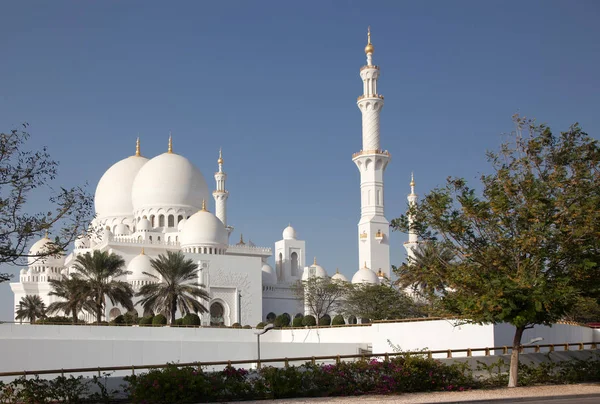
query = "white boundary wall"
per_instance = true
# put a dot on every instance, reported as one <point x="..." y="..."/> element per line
<point x="38" y="347"/>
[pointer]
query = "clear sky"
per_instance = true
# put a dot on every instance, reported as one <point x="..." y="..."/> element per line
<point x="275" y="84"/>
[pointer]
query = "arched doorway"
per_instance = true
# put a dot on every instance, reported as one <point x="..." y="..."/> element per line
<point x="294" y="258"/>
<point x="217" y="314"/>
<point x="113" y="313"/>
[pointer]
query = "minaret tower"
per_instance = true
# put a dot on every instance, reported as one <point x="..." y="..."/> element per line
<point x="413" y="240"/>
<point x="220" y="194"/>
<point x="373" y="228"/>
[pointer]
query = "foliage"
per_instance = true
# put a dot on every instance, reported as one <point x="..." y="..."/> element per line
<point x="325" y="320"/>
<point x="247" y="327"/>
<point x="338" y="320"/>
<point x="159" y="319"/>
<point x="131" y="317"/>
<point x="320" y="295"/>
<point x="74" y="294"/>
<point x="271" y="317"/>
<point x="236" y="325"/>
<point x="146" y="320"/>
<point x="261" y="325"/>
<point x="179" y="322"/>
<point x="119" y="320"/>
<point x="99" y="272"/>
<point x="297" y="322"/>
<point x="282" y="320"/>
<point x="177" y="286"/>
<point x="31" y="307"/>
<point x="58" y="320"/>
<point x="309" y="321"/>
<point x="585" y="310"/>
<point x="379" y="302"/>
<point x="21" y="173"/>
<point x="527" y="248"/>
<point x="191" y="319"/>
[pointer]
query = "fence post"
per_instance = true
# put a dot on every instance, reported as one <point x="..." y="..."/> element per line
<point x="581" y="346"/>
<point x="551" y="348"/>
<point x="25" y="374"/>
<point x="387" y="357"/>
<point x="566" y="347"/>
<point x="593" y="346"/>
<point x="286" y="363"/>
<point x="469" y="352"/>
<point x="429" y="355"/>
<point x="132" y="370"/>
<point x="313" y="360"/>
<point x="449" y="353"/>
<point x="537" y="349"/>
<point x="487" y="351"/>
<point x="99" y="372"/>
<point x="337" y="360"/>
<point x="62" y="372"/>
<point x="504" y="350"/>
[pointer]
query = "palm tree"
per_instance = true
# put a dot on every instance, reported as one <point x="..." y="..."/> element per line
<point x="177" y="287"/>
<point x="74" y="293"/>
<point x="31" y="307"/>
<point x="99" y="271"/>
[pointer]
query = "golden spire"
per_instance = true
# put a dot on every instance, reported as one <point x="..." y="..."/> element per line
<point x="315" y="261"/>
<point x="137" y="147"/>
<point x="142" y="253"/>
<point x="170" y="149"/>
<point x="365" y="267"/>
<point x="412" y="179"/>
<point x="241" y="239"/>
<point x="337" y="270"/>
<point x="369" y="48"/>
<point x="203" y="206"/>
<point x="220" y="160"/>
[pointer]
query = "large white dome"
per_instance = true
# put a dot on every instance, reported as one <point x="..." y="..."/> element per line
<point x="39" y="248"/>
<point x="203" y="229"/>
<point x="113" y="193"/>
<point x="315" y="270"/>
<point x="365" y="275"/>
<point x="168" y="181"/>
<point x="138" y="265"/>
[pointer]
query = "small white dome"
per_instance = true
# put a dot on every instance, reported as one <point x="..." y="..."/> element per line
<point x="339" y="277"/>
<point x="269" y="277"/>
<point x="169" y="181"/>
<point x="314" y="270"/>
<point x="365" y="275"/>
<point x="40" y="247"/>
<point x="144" y="225"/>
<point x="23" y="271"/>
<point x="181" y="224"/>
<point x="203" y="229"/>
<point x="113" y="193"/>
<point x="138" y="265"/>
<point x="289" y="233"/>
<point x="121" y="229"/>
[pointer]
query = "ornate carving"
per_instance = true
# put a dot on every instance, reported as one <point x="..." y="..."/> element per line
<point x="226" y="279"/>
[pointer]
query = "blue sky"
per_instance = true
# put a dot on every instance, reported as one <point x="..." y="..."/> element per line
<point x="275" y="84"/>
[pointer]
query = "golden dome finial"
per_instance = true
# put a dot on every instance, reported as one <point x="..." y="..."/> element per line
<point x="204" y="206"/>
<point x="337" y="270"/>
<point x="46" y="234"/>
<point x="142" y="252"/>
<point x="315" y="261"/>
<point x="220" y="160"/>
<point x="137" y="147"/>
<point x="365" y="267"/>
<point x="369" y="48"/>
<point x="412" y="179"/>
<point x="241" y="239"/>
<point x="170" y="149"/>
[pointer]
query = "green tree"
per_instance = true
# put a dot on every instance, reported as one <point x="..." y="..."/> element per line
<point x="21" y="172"/>
<point x="321" y="295"/>
<point x="527" y="248"/>
<point x="379" y="302"/>
<point x="178" y="287"/>
<point x="100" y="271"/>
<point x="75" y="295"/>
<point x="31" y="307"/>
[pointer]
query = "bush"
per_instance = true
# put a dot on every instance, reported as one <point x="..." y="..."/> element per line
<point x="309" y="321"/>
<point x="120" y="319"/>
<point x="271" y="317"/>
<point x="179" y="322"/>
<point x="282" y="321"/>
<point x="191" y="319"/>
<point x="131" y="317"/>
<point x="236" y="325"/>
<point x="260" y="325"/>
<point x="247" y="327"/>
<point x="57" y="320"/>
<point x="325" y="320"/>
<point x="338" y="320"/>
<point x="146" y="320"/>
<point x="297" y="321"/>
<point x="159" y="320"/>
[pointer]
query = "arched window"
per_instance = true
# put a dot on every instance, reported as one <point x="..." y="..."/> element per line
<point x="217" y="314"/>
<point x="179" y="219"/>
<point x="171" y="221"/>
<point x="150" y="238"/>
<point x="113" y="313"/>
<point x="152" y="220"/>
<point x="279" y="265"/>
<point x="161" y="221"/>
<point x="352" y="320"/>
<point x="294" y="258"/>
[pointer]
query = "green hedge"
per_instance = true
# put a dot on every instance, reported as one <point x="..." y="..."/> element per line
<point x="309" y="321"/>
<point x="146" y="320"/>
<point x="260" y="325"/>
<point x="325" y="320"/>
<point x="297" y="321"/>
<point x="338" y="320"/>
<point x="191" y="319"/>
<point x="159" y="320"/>
<point x="282" y="321"/>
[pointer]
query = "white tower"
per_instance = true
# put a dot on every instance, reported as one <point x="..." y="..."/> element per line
<point x="221" y="195"/>
<point x="289" y="256"/>
<point x="373" y="228"/>
<point x="413" y="240"/>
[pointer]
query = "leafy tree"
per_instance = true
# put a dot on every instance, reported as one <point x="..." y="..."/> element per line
<point x="100" y="272"/>
<point x="379" y="302"/>
<point x="321" y="295"/>
<point x="178" y="287"/>
<point x="31" y="307"/>
<point x="74" y="293"/>
<point x="21" y="172"/>
<point x="528" y="247"/>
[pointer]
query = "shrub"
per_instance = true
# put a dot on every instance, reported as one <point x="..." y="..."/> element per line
<point x="131" y="317"/>
<point x="271" y="317"/>
<point x="236" y="325"/>
<point x="159" y="320"/>
<point x="309" y="321"/>
<point x="297" y="321"/>
<point x="191" y="319"/>
<point x="178" y="322"/>
<point x="260" y="325"/>
<point x="146" y="320"/>
<point x="338" y="320"/>
<point x="119" y="320"/>
<point x="247" y="327"/>
<point x="56" y="320"/>
<point x="325" y="320"/>
<point x="282" y="321"/>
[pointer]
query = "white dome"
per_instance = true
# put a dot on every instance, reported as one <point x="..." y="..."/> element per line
<point x="169" y="181"/>
<point x="23" y="271"/>
<point x="181" y="224"/>
<point x="113" y="193"/>
<point x="269" y="277"/>
<point x="289" y="233"/>
<point x="314" y="270"/>
<point x="40" y="248"/>
<point x="144" y="225"/>
<point x="138" y="265"/>
<point x="121" y="229"/>
<point x="203" y="229"/>
<point x="365" y="275"/>
<point x="339" y="277"/>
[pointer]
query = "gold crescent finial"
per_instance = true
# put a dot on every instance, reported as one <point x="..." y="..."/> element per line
<point x="369" y="35"/>
<point x="412" y="179"/>
<point x="220" y="160"/>
<point x="142" y="253"/>
<point x="369" y="48"/>
<point x="315" y="261"/>
<point x="137" y="147"/>
<point x="170" y="149"/>
<point x="204" y="205"/>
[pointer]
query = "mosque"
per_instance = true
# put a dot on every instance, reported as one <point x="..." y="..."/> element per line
<point x="145" y="207"/>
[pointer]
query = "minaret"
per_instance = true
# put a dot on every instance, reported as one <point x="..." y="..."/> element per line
<point x="373" y="228"/>
<point x="413" y="239"/>
<point x="221" y="195"/>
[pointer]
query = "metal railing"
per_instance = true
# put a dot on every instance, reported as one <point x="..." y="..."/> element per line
<point x="488" y="351"/>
